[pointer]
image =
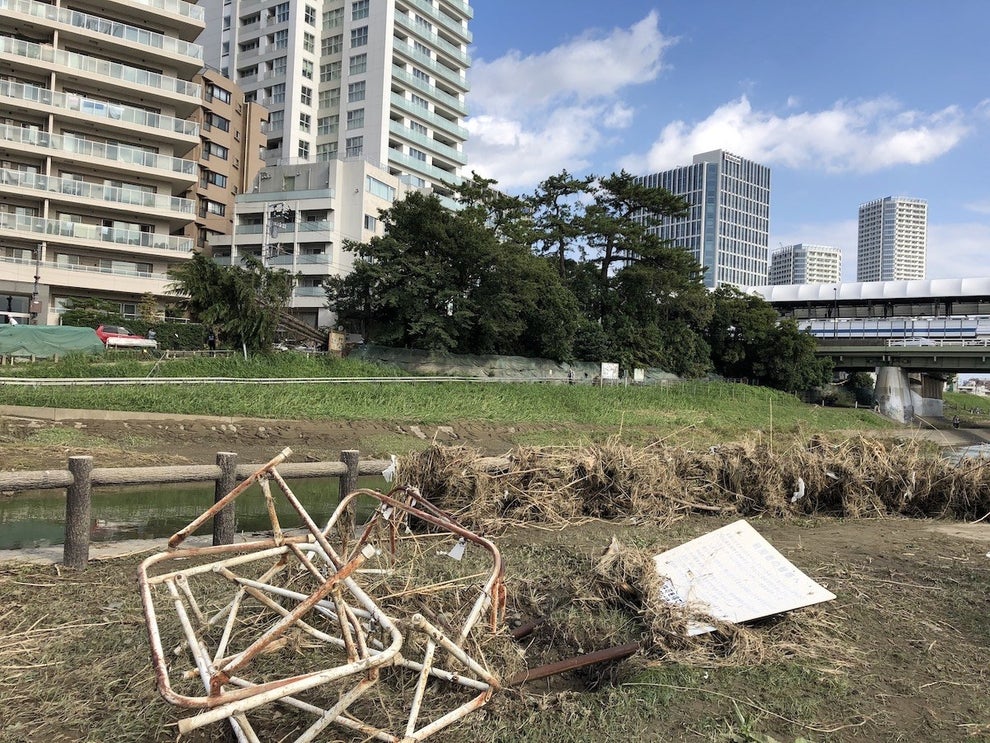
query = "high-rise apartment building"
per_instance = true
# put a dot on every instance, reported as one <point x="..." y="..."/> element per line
<point x="893" y="239"/>
<point x="805" y="264"/>
<point x="380" y="80"/>
<point x="728" y="226"/>
<point x="95" y="97"/>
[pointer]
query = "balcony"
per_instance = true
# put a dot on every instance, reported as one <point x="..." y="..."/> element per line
<point x="460" y="6"/>
<point x="51" y="270"/>
<point x="179" y="7"/>
<point x="442" y="19"/>
<point x="438" y="122"/>
<point x="430" y="144"/>
<point x="454" y="103"/>
<point x="169" y="47"/>
<point x="441" y="44"/>
<point x="77" y="231"/>
<point x="171" y="89"/>
<point x="451" y="76"/>
<point x="117" y="114"/>
<point x="110" y="195"/>
<point x="424" y="169"/>
<point x="116" y="153"/>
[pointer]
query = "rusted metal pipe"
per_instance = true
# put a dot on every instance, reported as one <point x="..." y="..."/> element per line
<point x="570" y="664"/>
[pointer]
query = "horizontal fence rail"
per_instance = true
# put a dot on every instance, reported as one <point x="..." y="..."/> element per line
<point x="110" y="381"/>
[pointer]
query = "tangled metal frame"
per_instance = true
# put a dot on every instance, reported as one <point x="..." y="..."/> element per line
<point x="355" y="639"/>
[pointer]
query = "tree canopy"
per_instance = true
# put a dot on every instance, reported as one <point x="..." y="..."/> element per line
<point x="242" y="304"/>
<point x="572" y="271"/>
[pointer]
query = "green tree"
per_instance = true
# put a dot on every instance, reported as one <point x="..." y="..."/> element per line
<point x="242" y="304"/>
<point x="556" y="209"/>
<point x="443" y="280"/>
<point x="91" y="312"/>
<point x="749" y="340"/>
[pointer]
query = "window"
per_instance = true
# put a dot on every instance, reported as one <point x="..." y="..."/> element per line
<point x="359" y="36"/>
<point x="326" y="151"/>
<point x="327" y="124"/>
<point x="333" y="18"/>
<point x="310" y="15"/>
<point x="250" y="20"/>
<point x="218" y="93"/>
<point x="418" y="128"/>
<point x="359" y="9"/>
<point x="370" y="223"/>
<point x="330" y="71"/>
<point x="377" y="188"/>
<point x="247" y="45"/>
<point x="303" y="149"/>
<point x="332" y="44"/>
<point x="420" y="75"/>
<point x="225" y="49"/>
<point x="330" y="98"/>
<point x="212" y="149"/>
<point x="304" y="122"/>
<point x="275" y="119"/>
<point x="417" y="154"/>
<point x="356" y="91"/>
<point x="354" y="146"/>
<point x="281" y="39"/>
<point x="226" y="23"/>
<point x="211" y="178"/>
<point x="281" y="12"/>
<point x="420" y="101"/>
<point x="276" y="93"/>
<point x="209" y="206"/>
<point x="307" y="69"/>
<point x="355" y="118"/>
<point x="422" y="48"/>
<point x="279" y="65"/>
<point x="359" y="64"/>
<point x="309" y="42"/>
<point x="423" y="24"/>
<point x="306" y="96"/>
<point x="215" y="121"/>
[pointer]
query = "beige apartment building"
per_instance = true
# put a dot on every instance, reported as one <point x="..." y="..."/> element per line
<point x="110" y="150"/>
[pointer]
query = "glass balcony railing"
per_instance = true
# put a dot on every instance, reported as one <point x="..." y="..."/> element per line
<point x="442" y="19"/>
<point x="96" y="24"/>
<point x="462" y="6"/>
<point x="429" y="143"/>
<point x="322" y="260"/>
<point x="179" y="7"/>
<point x="100" y="109"/>
<point x="116" y="152"/>
<point x="53" y="266"/>
<point x="438" y="122"/>
<point x="418" y="166"/>
<point x="457" y="53"/>
<point x="309" y="291"/>
<point x="431" y="90"/>
<point x="79" y="231"/>
<point x="99" y="191"/>
<point x="315" y="225"/>
<point x="94" y="66"/>
<point x="451" y="76"/>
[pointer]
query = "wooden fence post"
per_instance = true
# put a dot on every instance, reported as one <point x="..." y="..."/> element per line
<point x="349" y="480"/>
<point x="75" y="551"/>
<point x="223" y="522"/>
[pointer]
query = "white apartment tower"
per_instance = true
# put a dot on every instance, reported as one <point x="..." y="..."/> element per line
<point x="380" y="80"/>
<point x="805" y="264"/>
<point x="96" y="149"/>
<point x="893" y="239"/>
<point x="728" y="225"/>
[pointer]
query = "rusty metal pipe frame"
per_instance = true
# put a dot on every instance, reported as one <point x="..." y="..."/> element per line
<point x="217" y="672"/>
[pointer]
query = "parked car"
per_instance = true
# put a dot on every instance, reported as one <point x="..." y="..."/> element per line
<point x="117" y="336"/>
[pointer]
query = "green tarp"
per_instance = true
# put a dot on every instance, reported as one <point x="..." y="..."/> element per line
<point x="46" y="341"/>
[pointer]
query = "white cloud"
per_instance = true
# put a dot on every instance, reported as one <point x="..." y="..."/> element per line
<point x="980" y="207"/>
<point x="535" y="115"/>
<point x="955" y="250"/>
<point x="863" y="136"/>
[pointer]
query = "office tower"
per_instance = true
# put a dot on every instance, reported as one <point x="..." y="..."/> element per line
<point x="727" y="228"/>
<point x="380" y="80"/>
<point x="805" y="264"/>
<point x="893" y="239"/>
<point x="97" y="151"/>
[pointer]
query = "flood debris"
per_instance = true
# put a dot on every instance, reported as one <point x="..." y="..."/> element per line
<point x="376" y="631"/>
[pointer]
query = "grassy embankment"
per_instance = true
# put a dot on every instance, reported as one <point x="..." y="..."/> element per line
<point x="698" y="411"/>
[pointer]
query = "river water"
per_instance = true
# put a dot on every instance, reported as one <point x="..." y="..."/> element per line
<point x="37" y="519"/>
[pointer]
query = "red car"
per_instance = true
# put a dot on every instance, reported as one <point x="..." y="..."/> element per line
<point x="117" y="336"/>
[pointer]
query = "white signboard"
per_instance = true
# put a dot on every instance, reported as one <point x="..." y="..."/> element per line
<point x="735" y="575"/>
<point x="639" y="375"/>
<point x="609" y="370"/>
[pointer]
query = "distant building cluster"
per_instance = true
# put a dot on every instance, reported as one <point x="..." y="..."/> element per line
<point x="134" y="135"/>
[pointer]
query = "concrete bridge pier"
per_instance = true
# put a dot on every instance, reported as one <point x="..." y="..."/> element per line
<point x="901" y="398"/>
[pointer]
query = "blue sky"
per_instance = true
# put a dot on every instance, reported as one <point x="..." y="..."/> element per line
<point x="846" y="101"/>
